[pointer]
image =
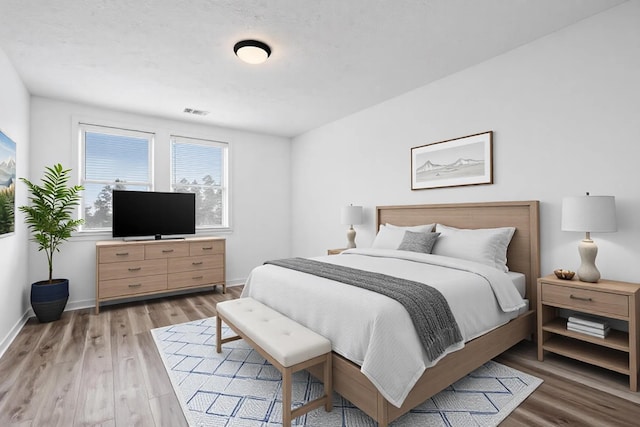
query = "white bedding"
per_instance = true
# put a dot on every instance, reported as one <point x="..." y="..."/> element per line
<point x="375" y="331"/>
<point x="519" y="281"/>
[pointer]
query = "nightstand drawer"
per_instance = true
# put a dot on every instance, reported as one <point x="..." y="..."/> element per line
<point x="583" y="299"/>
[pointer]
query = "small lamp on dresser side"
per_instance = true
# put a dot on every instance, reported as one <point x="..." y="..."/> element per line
<point x="589" y="214"/>
<point x="351" y="215"/>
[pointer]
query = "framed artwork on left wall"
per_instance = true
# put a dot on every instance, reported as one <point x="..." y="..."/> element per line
<point x="7" y="184"/>
<point x="467" y="160"/>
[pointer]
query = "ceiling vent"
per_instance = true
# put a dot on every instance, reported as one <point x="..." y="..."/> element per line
<point x="196" y="112"/>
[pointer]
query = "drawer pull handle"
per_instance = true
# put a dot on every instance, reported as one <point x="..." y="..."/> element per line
<point x="122" y="253"/>
<point x="135" y="269"/>
<point x="207" y="248"/>
<point x="197" y="278"/>
<point x="167" y="251"/>
<point x="197" y="263"/>
<point x="135" y="285"/>
<point x="580" y="298"/>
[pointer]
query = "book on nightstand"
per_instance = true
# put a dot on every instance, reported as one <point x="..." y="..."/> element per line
<point x="590" y="325"/>
<point x="594" y="332"/>
<point x="590" y="321"/>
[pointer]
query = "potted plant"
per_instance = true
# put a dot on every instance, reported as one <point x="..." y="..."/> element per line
<point x="49" y="216"/>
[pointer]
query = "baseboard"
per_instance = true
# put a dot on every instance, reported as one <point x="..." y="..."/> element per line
<point x="13" y="333"/>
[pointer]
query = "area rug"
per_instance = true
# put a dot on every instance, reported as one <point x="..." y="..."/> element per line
<point x="238" y="387"/>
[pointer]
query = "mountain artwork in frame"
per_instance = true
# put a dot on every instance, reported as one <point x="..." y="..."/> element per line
<point x="461" y="161"/>
<point x="7" y="184"/>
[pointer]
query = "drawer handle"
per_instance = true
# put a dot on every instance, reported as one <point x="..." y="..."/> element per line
<point x="167" y="251"/>
<point x="135" y="285"/>
<point x="197" y="278"/>
<point x="197" y="263"/>
<point x="122" y="253"/>
<point x="135" y="269"/>
<point x="207" y="248"/>
<point x="580" y="298"/>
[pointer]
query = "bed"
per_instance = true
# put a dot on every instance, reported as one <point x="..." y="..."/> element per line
<point x="350" y="375"/>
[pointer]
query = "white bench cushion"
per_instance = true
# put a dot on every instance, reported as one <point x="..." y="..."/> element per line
<point x="284" y="339"/>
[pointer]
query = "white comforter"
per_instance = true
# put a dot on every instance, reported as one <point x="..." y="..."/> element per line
<point x="375" y="331"/>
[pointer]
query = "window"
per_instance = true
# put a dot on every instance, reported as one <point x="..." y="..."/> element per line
<point x="200" y="166"/>
<point x="115" y="158"/>
<point x="111" y="158"/>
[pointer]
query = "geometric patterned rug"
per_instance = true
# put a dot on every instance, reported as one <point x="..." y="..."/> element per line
<point x="239" y="388"/>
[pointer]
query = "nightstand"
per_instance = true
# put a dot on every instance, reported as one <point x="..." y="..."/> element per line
<point x="336" y="251"/>
<point x="607" y="298"/>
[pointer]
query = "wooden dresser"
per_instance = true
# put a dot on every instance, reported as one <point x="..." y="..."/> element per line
<point x="138" y="268"/>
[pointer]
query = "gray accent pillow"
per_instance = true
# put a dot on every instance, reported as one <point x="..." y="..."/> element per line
<point x="418" y="242"/>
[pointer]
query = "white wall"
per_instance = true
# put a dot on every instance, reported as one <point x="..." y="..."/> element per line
<point x="565" y="115"/>
<point x="260" y="189"/>
<point x="14" y="286"/>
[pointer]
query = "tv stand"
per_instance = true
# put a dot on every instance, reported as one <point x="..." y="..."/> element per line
<point x="126" y="269"/>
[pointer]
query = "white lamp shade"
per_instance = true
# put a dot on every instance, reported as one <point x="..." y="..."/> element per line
<point x="589" y="214"/>
<point x="351" y="215"/>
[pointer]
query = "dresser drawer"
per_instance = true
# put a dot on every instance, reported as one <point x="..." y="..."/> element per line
<point x="132" y="286"/>
<point x="194" y="263"/>
<point x="595" y="302"/>
<point x="166" y="250"/>
<point x="196" y="278"/>
<point x="120" y="253"/>
<point x="126" y="269"/>
<point x="206" y="247"/>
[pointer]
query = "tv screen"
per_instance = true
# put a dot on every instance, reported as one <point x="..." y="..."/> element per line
<point x="152" y="213"/>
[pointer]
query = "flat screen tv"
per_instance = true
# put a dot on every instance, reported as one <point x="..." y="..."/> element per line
<point x="152" y="213"/>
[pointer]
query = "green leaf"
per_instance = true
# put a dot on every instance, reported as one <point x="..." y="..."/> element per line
<point x="49" y="215"/>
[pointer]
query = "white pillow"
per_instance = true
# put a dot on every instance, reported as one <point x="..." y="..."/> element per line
<point x="388" y="237"/>
<point x="485" y="245"/>
<point x="426" y="228"/>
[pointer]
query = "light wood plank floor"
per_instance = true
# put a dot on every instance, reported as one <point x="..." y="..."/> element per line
<point x="105" y="370"/>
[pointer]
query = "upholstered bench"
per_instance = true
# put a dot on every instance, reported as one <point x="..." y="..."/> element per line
<point x="287" y="345"/>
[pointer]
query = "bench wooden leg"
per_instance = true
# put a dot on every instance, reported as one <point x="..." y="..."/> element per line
<point x="286" y="397"/>
<point x="218" y="334"/>
<point x="219" y="339"/>
<point x="328" y="385"/>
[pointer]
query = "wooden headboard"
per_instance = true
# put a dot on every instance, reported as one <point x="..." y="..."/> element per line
<point x="523" y="254"/>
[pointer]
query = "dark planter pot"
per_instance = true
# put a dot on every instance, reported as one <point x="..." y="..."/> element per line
<point x="48" y="300"/>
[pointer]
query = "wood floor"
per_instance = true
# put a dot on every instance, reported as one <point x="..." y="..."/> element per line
<point x="105" y="370"/>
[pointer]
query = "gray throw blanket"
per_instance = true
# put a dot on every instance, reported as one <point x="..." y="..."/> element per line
<point x="427" y="307"/>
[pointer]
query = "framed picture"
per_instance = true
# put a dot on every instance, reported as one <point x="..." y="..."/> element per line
<point x="461" y="161"/>
<point x="7" y="184"/>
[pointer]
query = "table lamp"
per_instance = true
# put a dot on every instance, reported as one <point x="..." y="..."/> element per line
<point x="589" y="214"/>
<point x="351" y="215"/>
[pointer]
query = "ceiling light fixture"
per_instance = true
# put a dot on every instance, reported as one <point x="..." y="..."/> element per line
<point x="252" y="51"/>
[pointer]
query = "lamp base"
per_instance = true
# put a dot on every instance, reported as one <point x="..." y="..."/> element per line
<point x="588" y="272"/>
<point x="351" y="238"/>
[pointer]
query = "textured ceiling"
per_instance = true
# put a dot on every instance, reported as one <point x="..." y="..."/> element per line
<point x="329" y="58"/>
